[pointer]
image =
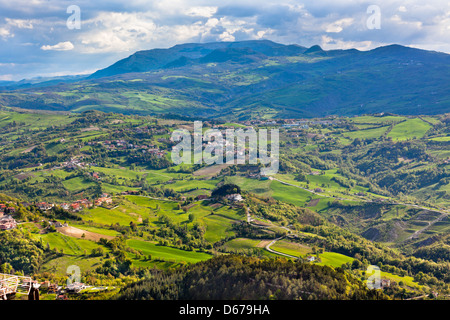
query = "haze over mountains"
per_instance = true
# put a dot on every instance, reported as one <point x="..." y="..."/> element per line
<point x="249" y="79"/>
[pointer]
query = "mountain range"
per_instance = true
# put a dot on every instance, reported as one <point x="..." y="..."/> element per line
<point x="251" y="79"/>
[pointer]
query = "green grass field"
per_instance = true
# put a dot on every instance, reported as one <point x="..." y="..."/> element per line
<point x="217" y="227"/>
<point x="187" y="185"/>
<point x="59" y="265"/>
<point x="291" y="194"/>
<point x="377" y="120"/>
<point x="69" y="245"/>
<point x="34" y="121"/>
<point x="136" y="208"/>
<point x="167" y="253"/>
<point x="77" y="184"/>
<point x="251" y="185"/>
<point x="106" y="232"/>
<point x="409" y="281"/>
<point x="366" y="133"/>
<point x="443" y="139"/>
<point x="291" y="248"/>
<point x="242" y="243"/>
<point x="333" y="259"/>
<point x="409" y="129"/>
<point x="108" y="217"/>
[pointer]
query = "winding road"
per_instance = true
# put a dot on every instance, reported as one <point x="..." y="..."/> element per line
<point x="278" y="252"/>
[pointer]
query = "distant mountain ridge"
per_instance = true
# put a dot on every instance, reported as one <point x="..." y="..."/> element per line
<point x="143" y="61"/>
<point x="254" y="79"/>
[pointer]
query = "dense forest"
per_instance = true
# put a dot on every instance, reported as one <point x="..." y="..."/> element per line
<point x="243" y="278"/>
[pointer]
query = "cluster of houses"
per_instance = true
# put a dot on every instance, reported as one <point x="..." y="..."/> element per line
<point x="60" y="291"/>
<point x="75" y="287"/>
<point x="74" y="163"/>
<point x="385" y="283"/>
<point x="103" y="200"/>
<point x="77" y="205"/>
<point x="259" y="122"/>
<point x="130" y="192"/>
<point x="7" y="222"/>
<point x="44" y="206"/>
<point x="199" y="197"/>
<point x="235" y="197"/>
<point x="58" y="224"/>
<point x="230" y="152"/>
<point x="122" y="144"/>
<point x="6" y="209"/>
<point x="288" y="122"/>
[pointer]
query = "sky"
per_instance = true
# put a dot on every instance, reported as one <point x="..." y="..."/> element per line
<point x="54" y="38"/>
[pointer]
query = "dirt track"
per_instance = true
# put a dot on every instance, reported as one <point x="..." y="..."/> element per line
<point x="263" y="243"/>
<point x="210" y="171"/>
<point x="78" y="233"/>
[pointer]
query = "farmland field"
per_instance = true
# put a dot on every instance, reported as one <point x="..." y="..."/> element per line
<point x="367" y="133"/>
<point x="334" y="259"/>
<point x="409" y="129"/>
<point x="167" y="253"/>
<point x="291" y="248"/>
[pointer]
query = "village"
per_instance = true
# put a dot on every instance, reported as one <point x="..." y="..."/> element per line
<point x="7" y="222"/>
<point x="78" y="205"/>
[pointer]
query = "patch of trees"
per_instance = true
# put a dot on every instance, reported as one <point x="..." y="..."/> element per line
<point x="226" y="189"/>
<point x="59" y="213"/>
<point x="406" y="181"/>
<point x="232" y="277"/>
<point x="437" y="252"/>
<point x="246" y="230"/>
<point x="20" y="251"/>
<point x="346" y="183"/>
<point x="345" y="242"/>
<point x="148" y="160"/>
<point x="286" y="213"/>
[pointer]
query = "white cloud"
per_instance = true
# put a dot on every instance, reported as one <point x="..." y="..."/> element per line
<point x="399" y="21"/>
<point x="121" y="32"/>
<point x="61" y="46"/>
<point x="261" y="34"/>
<point x="117" y="32"/>
<point x="207" y="12"/>
<point x="113" y="29"/>
<point x="339" y="25"/>
<point x="225" y="36"/>
<point x="20" y="23"/>
<point x="5" y="33"/>
<point x="329" y="43"/>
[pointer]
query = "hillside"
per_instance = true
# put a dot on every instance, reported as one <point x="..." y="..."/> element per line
<point x="242" y="278"/>
<point x="252" y="79"/>
<point x="350" y="192"/>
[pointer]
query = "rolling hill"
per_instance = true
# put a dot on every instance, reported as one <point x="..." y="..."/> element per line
<point x="252" y="79"/>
